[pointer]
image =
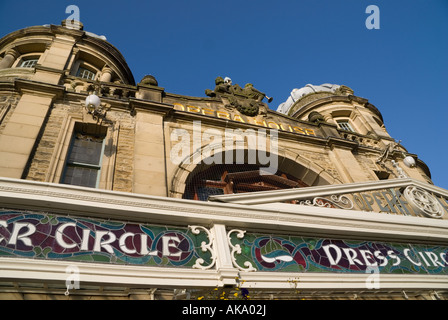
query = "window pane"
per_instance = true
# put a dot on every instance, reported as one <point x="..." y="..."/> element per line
<point x="30" y="63"/>
<point x="86" y="74"/>
<point x="345" y="125"/>
<point x="79" y="176"/>
<point x="86" y="149"/>
<point x="84" y="160"/>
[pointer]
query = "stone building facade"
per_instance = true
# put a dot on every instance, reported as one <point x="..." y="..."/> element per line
<point x="155" y="155"/>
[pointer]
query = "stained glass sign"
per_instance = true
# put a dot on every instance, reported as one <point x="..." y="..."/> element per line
<point x="45" y="236"/>
<point x="35" y="235"/>
<point x="258" y="252"/>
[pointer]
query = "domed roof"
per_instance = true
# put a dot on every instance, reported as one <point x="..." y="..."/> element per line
<point x="297" y="94"/>
<point x="90" y="45"/>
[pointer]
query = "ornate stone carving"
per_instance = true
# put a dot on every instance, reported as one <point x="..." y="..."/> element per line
<point x="423" y="202"/>
<point x="388" y="150"/>
<point x="400" y="171"/>
<point x="344" y="91"/>
<point x="247" y="100"/>
<point x="149" y="80"/>
<point x="316" y="117"/>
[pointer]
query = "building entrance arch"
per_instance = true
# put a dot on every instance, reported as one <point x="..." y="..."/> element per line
<point x="198" y="181"/>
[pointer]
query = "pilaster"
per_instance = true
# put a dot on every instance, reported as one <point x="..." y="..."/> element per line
<point x="55" y="60"/>
<point x="149" y="150"/>
<point x="341" y="152"/>
<point x="23" y="128"/>
<point x="226" y="271"/>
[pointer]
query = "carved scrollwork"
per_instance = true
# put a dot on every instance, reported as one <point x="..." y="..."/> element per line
<point x="423" y="202"/>
<point x="236" y="249"/>
<point x="342" y="202"/>
<point x="205" y="247"/>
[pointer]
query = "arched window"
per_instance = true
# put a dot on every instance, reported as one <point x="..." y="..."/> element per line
<point x="236" y="178"/>
<point x="28" y="61"/>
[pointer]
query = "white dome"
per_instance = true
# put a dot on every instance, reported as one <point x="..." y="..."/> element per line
<point x="297" y="94"/>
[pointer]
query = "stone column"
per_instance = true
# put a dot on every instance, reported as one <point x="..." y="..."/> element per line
<point x="10" y="56"/>
<point x="329" y="118"/>
<point x="106" y="75"/>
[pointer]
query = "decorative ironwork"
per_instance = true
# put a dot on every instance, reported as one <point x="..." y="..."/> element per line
<point x="236" y="249"/>
<point x="205" y="247"/>
<point x="423" y="202"/>
<point x="342" y="202"/>
<point x="99" y="114"/>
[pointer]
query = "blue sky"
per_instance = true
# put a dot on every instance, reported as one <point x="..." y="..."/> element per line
<point x="402" y="68"/>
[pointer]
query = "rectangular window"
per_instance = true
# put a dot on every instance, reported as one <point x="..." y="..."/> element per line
<point x="86" y="74"/>
<point x="382" y="175"/>
<point x="345" y="125"/>
<point x="83" y="166"/>
<point x="29" y="63"/>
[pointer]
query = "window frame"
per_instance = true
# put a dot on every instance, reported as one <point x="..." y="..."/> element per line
<point x="345" y="122"/>
<point x="28" y="57"/>
<point x="74" y="164"/>
<point x="82" y="69"/>
<point x="25" y="61"/>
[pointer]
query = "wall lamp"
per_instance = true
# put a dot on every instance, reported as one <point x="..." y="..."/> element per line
<point x="409" y="162"/>
<point x="94" y="107"/>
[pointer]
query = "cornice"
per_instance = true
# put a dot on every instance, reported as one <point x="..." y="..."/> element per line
<point x="101" y="274"/>
<point x="146" y="105"/>
<point x="142" y="276"/>
<point x="76" y="34"/>
<point x="7" y="86"/>
<point x="333" y="142"/>
<point x="30" y="31"/>
<point x="231" y="124"/>
<point x="34" y="87"/>
<point x="326" y="100"/>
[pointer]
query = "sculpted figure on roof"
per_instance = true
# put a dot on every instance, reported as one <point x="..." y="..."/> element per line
<point x="247" y="100"/>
